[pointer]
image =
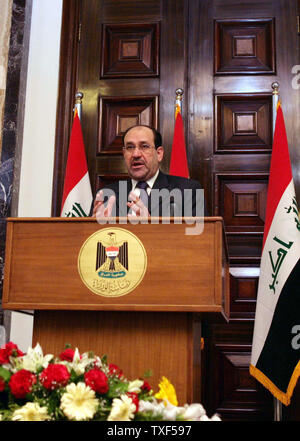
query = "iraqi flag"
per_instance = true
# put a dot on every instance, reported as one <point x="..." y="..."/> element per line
<point x="77" y="196"/>
<point x="178" y="163"/>
<point x="276" y="340"/>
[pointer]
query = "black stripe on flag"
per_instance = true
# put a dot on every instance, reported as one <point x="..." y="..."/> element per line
<point x="278" y="358"/>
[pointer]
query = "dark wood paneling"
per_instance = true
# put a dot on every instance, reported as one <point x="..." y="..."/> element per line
<point x="244" y="248"/>
<point x="128" y="10"/>
<point x="243" y="289"/>
<point x="173" y="74"/>
<point x="102" y="181"/>
<point x="229" y="389"/>
<point x="127" y="35"/>
<point x="66" y="96"/>
<point x="243" y="123"/>
<point x="244" y="46"/>
<point x="117" y="114"/>
<point x="201" y="86"/>
<point x="241" y="200"/>
<point x="130" y="50"/>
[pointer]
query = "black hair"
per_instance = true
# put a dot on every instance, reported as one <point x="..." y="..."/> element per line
<point x="156" y="135"/>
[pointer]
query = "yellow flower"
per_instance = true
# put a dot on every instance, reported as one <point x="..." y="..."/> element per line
<point x="167" y="392"/>
<point x="122" y="409"/>
<point x="31" y="412"/>
<point x="79" y="402"/>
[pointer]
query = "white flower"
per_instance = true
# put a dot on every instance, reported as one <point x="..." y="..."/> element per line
<point x="33" y="360"/>
<point x="135" y="386"/>
<point x="79" y="402"/>
<point x="79" y="363"/>
<point x="97" y="362"/>
<point x="31" y="412"/>
<point x="193" y="412"/>
<point x="204" y="418"/>
<point x="122" y="409"/>
<point x="170" y="411"/>
<point x="215" y="418"/>
<point x="151" y="406"/>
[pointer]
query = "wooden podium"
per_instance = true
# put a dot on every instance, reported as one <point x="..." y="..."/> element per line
<point x="156" y="326"/>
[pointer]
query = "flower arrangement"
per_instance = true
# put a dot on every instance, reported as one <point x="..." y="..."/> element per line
<point x="80" y="387"/>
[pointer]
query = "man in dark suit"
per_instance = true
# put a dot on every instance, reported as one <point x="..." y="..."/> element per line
<point x="148" y="190"/>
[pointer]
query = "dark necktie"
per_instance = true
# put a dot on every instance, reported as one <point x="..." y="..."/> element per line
<point x="142" y="185"/>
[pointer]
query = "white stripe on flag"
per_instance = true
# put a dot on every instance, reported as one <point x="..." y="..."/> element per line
<point x="80" y="193"/>
<point x="283" y="227"/>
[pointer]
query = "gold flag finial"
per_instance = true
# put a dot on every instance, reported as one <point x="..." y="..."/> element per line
<point x="78" y="104"/>
<point x="178" y="101"/>
<point x="275" y="87"/>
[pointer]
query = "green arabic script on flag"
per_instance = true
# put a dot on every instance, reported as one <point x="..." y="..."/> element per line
<point x="76" y="211"/>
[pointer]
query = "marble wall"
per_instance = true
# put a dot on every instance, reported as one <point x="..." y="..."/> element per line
<point x="5" y="22"/>
<point x="12" y="52"/>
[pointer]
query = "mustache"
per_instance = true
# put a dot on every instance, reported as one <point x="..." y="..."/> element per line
<point x="137" y="162"/>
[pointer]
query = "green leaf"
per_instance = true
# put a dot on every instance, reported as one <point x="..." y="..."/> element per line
<point x="5" y="374"/>
<point x="148" y="373"/>
<point x="148" y="416"/>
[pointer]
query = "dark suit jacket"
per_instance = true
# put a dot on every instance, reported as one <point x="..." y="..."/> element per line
<point x="174" y="202"/>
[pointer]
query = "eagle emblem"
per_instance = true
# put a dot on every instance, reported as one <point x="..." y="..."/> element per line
<point x="112" y="262"/>
<point x="112" y="258"/>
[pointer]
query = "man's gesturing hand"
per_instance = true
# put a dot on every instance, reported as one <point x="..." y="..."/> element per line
<point x="100" y="210"/>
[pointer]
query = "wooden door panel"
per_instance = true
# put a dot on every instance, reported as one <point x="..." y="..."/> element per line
<point x="243" y="123"/>
<point x="243" y="288"/>
<point x="241" y="200"/>
<point x="117" y="114"/>
<point x="132" y="85"/>
<point x="130" y="50"/>
<point x="233" y="393"/>
<point x="244" y="46"/>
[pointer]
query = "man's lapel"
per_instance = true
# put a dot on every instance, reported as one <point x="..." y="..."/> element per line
<point x="125" y="199"/>
<point x="160" y="183"/>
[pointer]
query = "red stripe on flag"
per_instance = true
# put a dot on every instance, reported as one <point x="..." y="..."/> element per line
<point x="178" y="164"/>
<point x="76" y="164"/>
<point x="280" y="170"/>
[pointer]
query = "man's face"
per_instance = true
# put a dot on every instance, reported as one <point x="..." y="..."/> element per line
<point x="143" y="160"/>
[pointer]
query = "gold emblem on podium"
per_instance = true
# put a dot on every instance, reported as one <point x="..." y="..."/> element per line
<point x="112" y="262"/>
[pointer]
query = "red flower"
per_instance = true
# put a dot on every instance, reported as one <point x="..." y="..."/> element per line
<point x="146" y="386"/>
<point x="135" y="400"/>
<point x="115" y="370"/>
<point x="97" y="380"/>
<point x="67" y="355"/>
<point x="9" y="350"/>
<point x="21" y="383"/>
<point x="2" y="384"/>
<point x="54" y="376"/>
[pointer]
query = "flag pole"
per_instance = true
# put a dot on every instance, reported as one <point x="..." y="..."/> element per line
<point x="277" y="410"/>
<point x="275" y="99"/>
<point x="78" y="103"/>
